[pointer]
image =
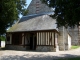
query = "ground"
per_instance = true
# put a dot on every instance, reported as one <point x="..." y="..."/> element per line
<point x="31" y="55"/>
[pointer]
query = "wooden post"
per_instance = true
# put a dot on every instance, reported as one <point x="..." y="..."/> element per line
<point x="45" y="37"/>
<point x="54" y="41"/>
<point x="5" y="40"/>
<point x="39" y="38"/>
<point x="49" y="38"/>
<point x="24" y="39"/>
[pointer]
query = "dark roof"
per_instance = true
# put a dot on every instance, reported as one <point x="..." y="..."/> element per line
<point x="34" y="22"/>
<point x="33" y="16"/>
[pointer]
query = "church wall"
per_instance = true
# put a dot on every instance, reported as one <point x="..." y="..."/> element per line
<point x="63" y="39"/>
<point x="74" y="34"/>
<point x="45" y="48"/>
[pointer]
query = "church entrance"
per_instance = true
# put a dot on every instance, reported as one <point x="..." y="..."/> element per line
<point x="33" y="41"/>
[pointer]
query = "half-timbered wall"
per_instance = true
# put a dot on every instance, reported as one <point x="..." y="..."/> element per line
<point x="27" y="38"/>
<point x="9" y="39"/>
<point x="46" y="41"/>
<point x="45" y="38"/>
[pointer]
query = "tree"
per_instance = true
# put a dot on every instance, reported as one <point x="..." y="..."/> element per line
<point x="9" y="12"/>
<point x="67" y="12"/>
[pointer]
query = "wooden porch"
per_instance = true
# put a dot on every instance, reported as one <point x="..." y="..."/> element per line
<point x="34" y="38"/>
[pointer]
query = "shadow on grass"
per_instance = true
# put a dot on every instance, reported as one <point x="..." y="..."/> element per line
<point x="36" y="57"/>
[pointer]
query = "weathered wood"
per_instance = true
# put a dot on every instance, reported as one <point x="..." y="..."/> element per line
<point x="24" y="39"/>
<point x="51" y="38"/>
<point x="54" y="41"/>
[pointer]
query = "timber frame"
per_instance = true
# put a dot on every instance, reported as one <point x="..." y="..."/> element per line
<point x="43" y="37"/>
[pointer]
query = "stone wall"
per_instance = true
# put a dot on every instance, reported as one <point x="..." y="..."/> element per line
<point x="46" y="48"/>
<point x="74" y="34"/>
<point x="63" y="39"/>
<point x="60" y="39"/>
<point x="16" y="47"/>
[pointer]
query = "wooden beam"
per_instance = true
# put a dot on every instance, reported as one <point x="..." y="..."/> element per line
<point x="45" y="37"/>
<point x="49" y="38"/>
<point x="42" y="39"/>
<point x="54" y="41"/>
<point x="49" y="30"/>
<point x="24" y="39"/>
<point x="38" y="38"/>
<point x="6" y="38"/>
<point x="52" y="38"/>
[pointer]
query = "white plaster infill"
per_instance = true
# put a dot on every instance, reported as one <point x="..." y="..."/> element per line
<point x="2" y="44"/>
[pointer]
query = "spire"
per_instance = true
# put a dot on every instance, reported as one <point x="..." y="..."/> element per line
<point x="36" y="6"/>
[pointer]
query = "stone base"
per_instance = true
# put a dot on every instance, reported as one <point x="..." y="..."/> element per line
<point x="46" y="49"/>
<point x="38" y="48"/>
<point x="56" y="49"/>
<point x="16" y="47"/>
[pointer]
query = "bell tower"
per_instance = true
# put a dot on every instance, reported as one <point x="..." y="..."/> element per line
<point x="36" y="6"/>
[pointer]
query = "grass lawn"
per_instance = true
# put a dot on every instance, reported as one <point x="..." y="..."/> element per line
<point x="75" y="47"/>
<point x="76" y="58"/>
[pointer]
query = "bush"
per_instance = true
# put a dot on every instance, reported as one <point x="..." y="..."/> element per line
<point x="2" y="38"/>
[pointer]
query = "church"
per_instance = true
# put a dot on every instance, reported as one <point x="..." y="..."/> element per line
<point x="38" y="31"/>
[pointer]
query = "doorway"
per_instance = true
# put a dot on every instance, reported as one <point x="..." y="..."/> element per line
<point x="33" y="41"/>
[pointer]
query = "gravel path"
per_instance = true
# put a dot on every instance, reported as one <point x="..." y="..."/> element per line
<point x="29" y="55"/>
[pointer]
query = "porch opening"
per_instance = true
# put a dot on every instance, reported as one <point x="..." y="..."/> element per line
<point x="33" y="41"/>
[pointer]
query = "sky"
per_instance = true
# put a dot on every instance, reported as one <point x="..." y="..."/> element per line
<point x="28" y="2"/>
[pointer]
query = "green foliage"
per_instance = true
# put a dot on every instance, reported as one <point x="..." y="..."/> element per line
<point x="2" y="38"/>
<point x="67" y="12"/>
<point x="9" y="11"/>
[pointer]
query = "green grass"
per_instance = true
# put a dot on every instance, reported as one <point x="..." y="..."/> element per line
<point x="75" y="47"/>
<point x="73" y="58"/>
<point x="76" y="58"/>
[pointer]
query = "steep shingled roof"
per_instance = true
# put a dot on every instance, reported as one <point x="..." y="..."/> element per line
<point x="34" y="22"/>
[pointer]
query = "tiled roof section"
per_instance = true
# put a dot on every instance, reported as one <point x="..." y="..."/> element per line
<point x="33" y="16"/>
<point x="34" y="22"/>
